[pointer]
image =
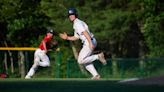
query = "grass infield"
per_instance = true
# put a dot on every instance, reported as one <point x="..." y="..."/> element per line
<point x="72" y="85"/>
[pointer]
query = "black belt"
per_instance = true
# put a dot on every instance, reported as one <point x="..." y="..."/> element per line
<point x="91" y="39"/>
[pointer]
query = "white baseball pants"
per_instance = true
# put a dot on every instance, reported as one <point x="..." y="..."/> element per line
<point x="85" y="58"/>
<point x="40" y="59"/>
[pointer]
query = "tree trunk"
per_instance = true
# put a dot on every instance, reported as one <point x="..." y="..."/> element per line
<point x="22" y="66"/>
<point x="11" y="58"/>
<point x="141" y="55"/>
<point x="114" y="67"/>
<point x="75" y="52"/>
<point x="12" y="63"/>
<point x="5" y="62"/>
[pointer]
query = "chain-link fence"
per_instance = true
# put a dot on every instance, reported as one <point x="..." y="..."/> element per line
<point x="19" y="62"/>
<point x="119" y="68"/>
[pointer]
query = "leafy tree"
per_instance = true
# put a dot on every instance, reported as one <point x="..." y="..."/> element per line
<point x="153" y="32"/>
<point x="21" y="18"/>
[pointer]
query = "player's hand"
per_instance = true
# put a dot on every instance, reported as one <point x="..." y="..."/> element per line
<point x="91" y="46"/>
<point x="54" y="46"/>
<point x="63" y="36"/>
<point x="45" y="51"/>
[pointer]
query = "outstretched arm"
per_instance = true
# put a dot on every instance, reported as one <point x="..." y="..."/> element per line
<point x="64" y="36"/>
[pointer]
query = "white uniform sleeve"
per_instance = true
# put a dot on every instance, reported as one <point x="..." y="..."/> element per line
<point x="80" y="27"/>
<point x="76" y="34"/>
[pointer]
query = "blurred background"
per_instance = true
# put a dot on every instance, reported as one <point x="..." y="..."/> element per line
<point x="129" y="32"/>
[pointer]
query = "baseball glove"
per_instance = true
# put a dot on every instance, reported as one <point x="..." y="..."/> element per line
<point x="54" y="45"/>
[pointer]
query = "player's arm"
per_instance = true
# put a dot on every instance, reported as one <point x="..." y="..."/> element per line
<point x="85" y="33"/>
<point x="44" y="45"/>
<point x="72" y="38"/>
<point x="66" y="37"/>
<point x="54" y="46"/>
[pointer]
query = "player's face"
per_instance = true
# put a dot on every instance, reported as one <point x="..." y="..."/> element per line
<point x="72" y="17"/>
<point x="49" y="35"/>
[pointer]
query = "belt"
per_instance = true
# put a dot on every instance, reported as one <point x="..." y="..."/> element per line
<point x="85" y="40"/>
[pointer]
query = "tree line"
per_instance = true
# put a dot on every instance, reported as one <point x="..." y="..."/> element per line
<point x="123" y="28"/>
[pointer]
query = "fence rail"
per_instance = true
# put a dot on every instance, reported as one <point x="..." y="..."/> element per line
<point x="18" y="48"/>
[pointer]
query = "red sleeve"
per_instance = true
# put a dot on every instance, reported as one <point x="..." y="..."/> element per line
<point x="46" y="39"/>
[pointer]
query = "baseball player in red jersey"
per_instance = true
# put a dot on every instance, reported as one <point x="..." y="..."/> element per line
<point x="81" y="31"/>
<point x="40" y="55"/>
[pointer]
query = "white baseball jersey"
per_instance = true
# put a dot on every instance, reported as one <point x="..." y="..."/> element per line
<point x="79" y="27"/>
<point x="85" y="56"/>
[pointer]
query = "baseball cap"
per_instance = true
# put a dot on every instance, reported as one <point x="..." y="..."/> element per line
<point x="50" y="31"/>
<point x="72" y="11"/>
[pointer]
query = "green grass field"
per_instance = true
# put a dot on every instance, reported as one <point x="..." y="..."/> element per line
<point x="72" y="85"/>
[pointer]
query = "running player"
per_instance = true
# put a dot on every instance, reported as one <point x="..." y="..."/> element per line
<point x="40" y="55"/>
<point x="81" y="31"/>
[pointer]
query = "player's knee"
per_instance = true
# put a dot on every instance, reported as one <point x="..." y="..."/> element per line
<point x="81" y="62"/>
<point x="46" y="65"/>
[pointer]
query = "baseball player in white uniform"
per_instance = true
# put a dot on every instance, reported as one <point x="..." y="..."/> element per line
<point x="81" y="31"/>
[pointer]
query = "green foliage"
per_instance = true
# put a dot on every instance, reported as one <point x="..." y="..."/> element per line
<point x="21" y="19"/>
<point x="153" y="32"/>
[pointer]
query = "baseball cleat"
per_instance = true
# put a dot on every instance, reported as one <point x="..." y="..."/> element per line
<point x="27" y="77"/>
<point x="97" y="77"/>
<point x="102" y="58"/>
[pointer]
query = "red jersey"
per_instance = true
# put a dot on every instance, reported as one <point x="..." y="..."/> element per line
<point x="47" y="41"/>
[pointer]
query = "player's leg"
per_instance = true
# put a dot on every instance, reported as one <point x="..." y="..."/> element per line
<point x="34" y="66"/>
<point x="92" y="70"/>
<point x="90" y="58"/>
<point x="31" y="71"/>
<point x="85" y="56"/>
<point x="102" y="58"/>
<point x="84" y="53"/>
<point x="44" y="59"/>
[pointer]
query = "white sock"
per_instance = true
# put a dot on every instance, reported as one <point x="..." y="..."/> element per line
<point x="91" y="69"/>
<point x="32" y="70"/>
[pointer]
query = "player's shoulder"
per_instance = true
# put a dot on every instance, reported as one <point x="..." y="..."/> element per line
<point x="47" y="38"/>
<point x="81" y="21"/>
<point x="78" y="22"/>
